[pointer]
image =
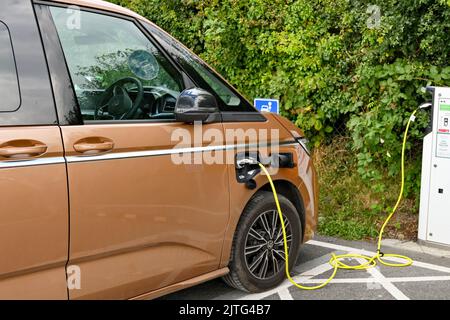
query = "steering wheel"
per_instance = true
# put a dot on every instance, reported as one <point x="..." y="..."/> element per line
<point x="117" y="102"/>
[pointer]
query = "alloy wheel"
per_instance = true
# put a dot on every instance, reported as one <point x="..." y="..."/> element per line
<point x="264" y="246"/>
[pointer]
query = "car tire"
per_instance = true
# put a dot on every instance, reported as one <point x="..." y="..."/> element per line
<point x="249" y="274"/>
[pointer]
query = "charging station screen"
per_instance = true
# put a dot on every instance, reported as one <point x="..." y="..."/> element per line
<point x="443" y="132"/>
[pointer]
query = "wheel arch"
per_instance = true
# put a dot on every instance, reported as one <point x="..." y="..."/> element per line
<point x="289" y="190"/>
<point x="291" y="193"/>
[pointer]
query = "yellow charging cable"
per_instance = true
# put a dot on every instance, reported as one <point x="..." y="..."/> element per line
<point x="336" y="260"/>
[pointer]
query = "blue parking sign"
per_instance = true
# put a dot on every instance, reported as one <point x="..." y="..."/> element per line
<point x="267" y="105"/>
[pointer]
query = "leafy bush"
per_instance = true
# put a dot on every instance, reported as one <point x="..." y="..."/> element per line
<point x="335" y="69"/>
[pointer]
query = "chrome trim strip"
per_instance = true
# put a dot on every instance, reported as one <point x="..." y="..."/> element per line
<point x="151" y="153"/>
<point x="31" y="162"/>
<point x="132" y="154"/>
<point x="304" y="146"/>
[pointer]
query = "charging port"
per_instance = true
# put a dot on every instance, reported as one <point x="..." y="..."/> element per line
<point x="247" y="165"/>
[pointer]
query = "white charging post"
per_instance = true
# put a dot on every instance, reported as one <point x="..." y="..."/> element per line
<point x="434" y="217"/>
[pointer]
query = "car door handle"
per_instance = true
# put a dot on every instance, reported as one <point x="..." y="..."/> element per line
<point x="17" y="149"/>
<point x="94" y="145"/>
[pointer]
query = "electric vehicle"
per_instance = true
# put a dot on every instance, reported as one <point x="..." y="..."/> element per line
<point x="93" y="204"/>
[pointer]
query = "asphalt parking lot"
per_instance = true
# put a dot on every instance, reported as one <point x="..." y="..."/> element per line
<point x="427" y="278"/>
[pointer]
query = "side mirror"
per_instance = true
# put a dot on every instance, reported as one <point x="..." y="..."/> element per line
<point x="196" y="104"/>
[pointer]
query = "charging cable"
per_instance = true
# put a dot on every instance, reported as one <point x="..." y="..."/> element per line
<point x="336" y="261"/>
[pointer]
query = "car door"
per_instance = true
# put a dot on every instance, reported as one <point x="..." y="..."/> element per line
<point x="33" y="183"/>
<point x="139" y="220"/>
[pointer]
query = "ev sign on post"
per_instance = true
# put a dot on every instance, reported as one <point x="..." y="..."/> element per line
<point x="267" y="105"/>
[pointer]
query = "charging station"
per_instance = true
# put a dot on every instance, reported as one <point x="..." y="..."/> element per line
<point x="434" y="217"/>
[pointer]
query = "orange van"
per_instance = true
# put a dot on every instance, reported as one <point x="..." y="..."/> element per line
<point x="128" y="166"/>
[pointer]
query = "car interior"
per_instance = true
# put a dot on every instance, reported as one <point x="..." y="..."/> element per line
<point x="125" y="99"/>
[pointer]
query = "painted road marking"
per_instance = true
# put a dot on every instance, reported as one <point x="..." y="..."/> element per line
<point x="370" y="280"/>
<point x="376" y="275"/>
<point x="287" y="284"/>
<point x="285" y="294"/>
<point x="369" y="253"/>
<point x="379" y="278"/>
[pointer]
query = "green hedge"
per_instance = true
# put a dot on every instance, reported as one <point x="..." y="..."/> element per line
<point x="333" y="68"/>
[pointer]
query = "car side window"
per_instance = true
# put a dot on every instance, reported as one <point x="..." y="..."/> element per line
<point x="117" y="72"/>
<point x="9" y="86"/>
<point x="230" y="100"/>
<point x="225" y="94"/>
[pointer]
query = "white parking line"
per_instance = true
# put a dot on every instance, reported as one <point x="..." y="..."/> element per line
<point x="419" y="279"/>
<point x="376" y="275"/>
<point x="366" y="252"/>
<point x="285" y="294"/>
<point x="287" y="284"/>
<point x="370" y="280"/>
